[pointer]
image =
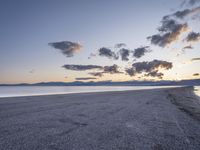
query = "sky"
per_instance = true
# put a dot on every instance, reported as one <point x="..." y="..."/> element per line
<point x="98" y="40"/>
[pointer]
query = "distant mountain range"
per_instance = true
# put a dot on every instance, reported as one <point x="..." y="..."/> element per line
<point x="192" y="82"/>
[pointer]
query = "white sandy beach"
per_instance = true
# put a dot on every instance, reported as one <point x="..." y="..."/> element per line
<point x="155" y="119"/>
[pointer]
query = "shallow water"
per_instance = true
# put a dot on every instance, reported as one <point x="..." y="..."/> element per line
<point x="14" y="91"/>
<point x="197" y="90"/>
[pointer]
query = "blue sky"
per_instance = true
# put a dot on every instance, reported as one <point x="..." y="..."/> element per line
<point x="27" y="26"/>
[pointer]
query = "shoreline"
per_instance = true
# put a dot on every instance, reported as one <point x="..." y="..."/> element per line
<point x="140" y="119"/>
<point x="98" y="91"/>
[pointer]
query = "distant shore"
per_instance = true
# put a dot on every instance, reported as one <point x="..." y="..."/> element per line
<point x="143" y="119"/>
<point x="193" y="82"/>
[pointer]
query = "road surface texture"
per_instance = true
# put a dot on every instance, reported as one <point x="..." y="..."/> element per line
<point x="155" y="119"/>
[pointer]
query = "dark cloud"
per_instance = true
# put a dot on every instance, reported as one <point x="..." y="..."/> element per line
<point x="196" y="74"/>
<point x="124" y="53"/>
<point x="150" y="68"/>
<point x="168" y="25"/>
<point x="184" y="13"/>
<point x="193" y="37"/>
<point x="106" y="52"/>
<point x="120" y="45"/>
<point x="130" y="71"/>
<point x="67" y="48"/>
<point x="187" y="47"/>
<point x="139" y="52"/>
<point x="81" y="67"/>
<point x="114" y="69"/>
<point x="155" y="74"/>
<point x="195" y="59"/>
<point x="96" y="74"/>
<point x="87" y="78"/>
<point x="170" y="31"/>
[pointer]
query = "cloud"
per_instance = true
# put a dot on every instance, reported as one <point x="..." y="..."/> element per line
<point x="155" y="74"/>
<point x="189" y="2"/>
<point x="120" y="45"/>
<point x="150" y="68"/>
<point x="67" y="48"/>
<point x="87" y="78"/>
<point x="139" y="52"/>
<point x="130" y="71"/>
<point x="106" y="52"/>
<point x="196" y="74"/>
<point x="114" y="69"/>
<point x="193" y="2"/>
<point x="169" y="32"/>
<point x="81" y="67"/>
<point x="124" y="53"/>
<point x="195" y="59"/>
<point x="193" y="37"/>
<point x="187" y="12"/>
<point x="182" y="14"/>
<point x="168" y="25"/>
<point x="96" y="74"/>
<point x="187" y="47"/>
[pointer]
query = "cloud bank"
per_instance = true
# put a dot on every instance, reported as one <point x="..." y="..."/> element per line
<point x="114" y="69"/>
<point x="150" y="68"/>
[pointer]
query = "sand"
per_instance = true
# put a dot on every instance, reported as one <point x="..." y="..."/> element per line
<point x="156" y="119"/>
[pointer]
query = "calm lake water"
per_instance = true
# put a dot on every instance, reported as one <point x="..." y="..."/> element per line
<point x="15" y="91"/>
